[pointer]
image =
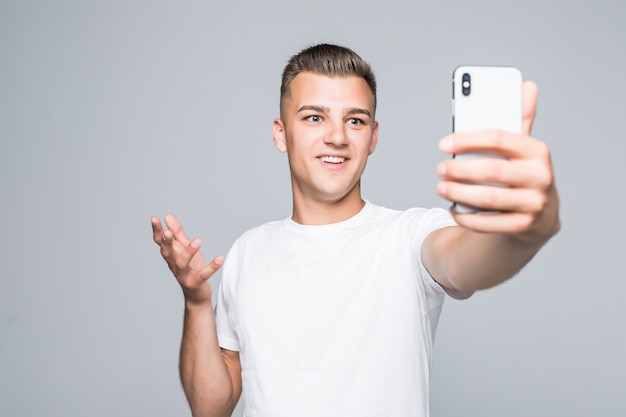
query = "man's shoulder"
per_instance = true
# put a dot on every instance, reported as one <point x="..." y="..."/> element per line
<point x="263" y="229"/>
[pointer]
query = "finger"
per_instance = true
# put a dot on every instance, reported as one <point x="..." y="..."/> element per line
<point x="157" y="230"/>
<point x="529" y="106"/>
<point x="185" y="255"/>
<point x="177" y="230"/>
<point x="166" y="241"/>
<point x="163" y="238"/>
<point x="509" y="223"/>
<point x="513" y="173"/>
<point x="212" y="267"/>
<point x="491" y="142"/>
<point x="494" y="198"/>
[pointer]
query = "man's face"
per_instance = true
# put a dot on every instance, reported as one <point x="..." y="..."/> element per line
<point x="328" y="131"/>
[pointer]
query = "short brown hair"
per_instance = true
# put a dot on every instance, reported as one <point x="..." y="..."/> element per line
<point x="330" y="60"/>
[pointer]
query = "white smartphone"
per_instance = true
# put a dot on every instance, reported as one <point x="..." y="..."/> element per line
<point x="485" y="97"/>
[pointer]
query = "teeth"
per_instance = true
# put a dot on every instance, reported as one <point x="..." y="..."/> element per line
<point x="333" y="159"/>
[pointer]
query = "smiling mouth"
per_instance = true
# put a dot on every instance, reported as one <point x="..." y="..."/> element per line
<point x="333" y="159"/>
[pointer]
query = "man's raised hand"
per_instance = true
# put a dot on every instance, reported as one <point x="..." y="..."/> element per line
<point x="185" y="260"/>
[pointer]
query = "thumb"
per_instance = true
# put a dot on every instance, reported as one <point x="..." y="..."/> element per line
<point x="529" y="106"/>
<point x="212" y="267"/>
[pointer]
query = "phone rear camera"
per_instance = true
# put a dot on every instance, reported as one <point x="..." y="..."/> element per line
<point x="466" y="85"/>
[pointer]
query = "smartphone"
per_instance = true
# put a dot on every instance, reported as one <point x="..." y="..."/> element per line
<point x="485" y="97"/>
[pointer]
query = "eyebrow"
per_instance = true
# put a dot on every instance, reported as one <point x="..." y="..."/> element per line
<point x="320" y="109"/>
<point x="357" y="110"/>
<point x="324" y="109"/>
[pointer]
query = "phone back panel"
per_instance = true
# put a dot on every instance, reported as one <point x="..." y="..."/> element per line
<point x="494" y="100"/>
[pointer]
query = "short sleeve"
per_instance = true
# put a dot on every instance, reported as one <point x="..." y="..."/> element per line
<point x="429" y="221"/>
<point x="225" y="313"/>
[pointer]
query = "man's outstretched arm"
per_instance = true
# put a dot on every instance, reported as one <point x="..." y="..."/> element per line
<point x="487" y="249"/>
<point x="211" y="376"/>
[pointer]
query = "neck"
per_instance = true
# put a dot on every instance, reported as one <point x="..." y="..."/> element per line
<point x="309" y="211"/>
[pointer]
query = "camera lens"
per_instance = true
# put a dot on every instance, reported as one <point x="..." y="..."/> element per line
<point x="466" y="85"/>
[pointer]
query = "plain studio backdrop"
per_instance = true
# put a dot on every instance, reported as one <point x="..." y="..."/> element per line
<point x="113" y="111"/>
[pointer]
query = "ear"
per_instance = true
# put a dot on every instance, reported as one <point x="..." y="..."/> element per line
<point x="278" y="133"/>
<point x="374" y="140"/>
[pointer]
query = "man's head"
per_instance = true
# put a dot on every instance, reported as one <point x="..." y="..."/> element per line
<point x="328" y="60"/>
<point x="327" y="127"/>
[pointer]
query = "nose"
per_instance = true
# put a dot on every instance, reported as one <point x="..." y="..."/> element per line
<point x="337" y="135"/>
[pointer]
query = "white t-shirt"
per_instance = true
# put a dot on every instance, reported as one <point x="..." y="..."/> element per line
<point x="333" y="320"/>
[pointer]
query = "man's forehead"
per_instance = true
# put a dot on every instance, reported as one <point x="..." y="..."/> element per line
<point x="308" y="85"/>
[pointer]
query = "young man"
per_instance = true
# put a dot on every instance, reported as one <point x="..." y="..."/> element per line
<point x="332" y="312"/>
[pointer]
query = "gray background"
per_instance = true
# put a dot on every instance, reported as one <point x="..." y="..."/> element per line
<point x="114" y="111"/>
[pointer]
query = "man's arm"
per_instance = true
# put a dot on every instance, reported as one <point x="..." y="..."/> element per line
<point x="211" y="376"/>
<point x="487" y="249"/>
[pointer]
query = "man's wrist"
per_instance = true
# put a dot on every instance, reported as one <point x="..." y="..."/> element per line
<point x="194" y="306"/>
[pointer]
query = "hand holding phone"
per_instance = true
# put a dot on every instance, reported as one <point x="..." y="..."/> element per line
<point x="528" y="206"/>
<point x="485" y="97"/>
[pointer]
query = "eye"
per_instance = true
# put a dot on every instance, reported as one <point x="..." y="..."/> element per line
<point x="314" y="119"/>
<point x="354" y="121"/>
